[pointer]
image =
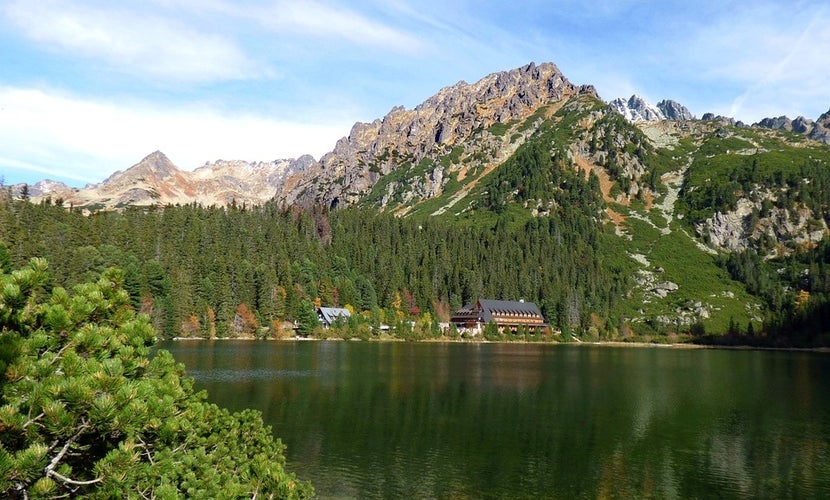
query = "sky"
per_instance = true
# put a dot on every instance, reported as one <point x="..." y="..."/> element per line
<point x="91" y="87"/>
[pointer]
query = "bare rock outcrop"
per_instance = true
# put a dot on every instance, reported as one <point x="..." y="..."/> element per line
<point x="821" y="129"/>
<point x="741" y="228"/>
<point x="430" y="130"/>
<point x="818" y="130"/>
<point x="673" y="110"/>
<point x="636" y="109"/>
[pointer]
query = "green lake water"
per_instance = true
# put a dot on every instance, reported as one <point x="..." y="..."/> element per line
<point x="430" y="420"/>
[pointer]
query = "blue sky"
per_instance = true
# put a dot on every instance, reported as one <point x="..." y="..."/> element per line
<point x="91" y="87"/>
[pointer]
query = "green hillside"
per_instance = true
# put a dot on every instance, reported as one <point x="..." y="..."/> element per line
<point x="706" y="168"/>
<point x="670" y="230"/>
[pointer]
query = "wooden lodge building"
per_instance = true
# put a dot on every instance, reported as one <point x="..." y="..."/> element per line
<point x="506" y="314"/>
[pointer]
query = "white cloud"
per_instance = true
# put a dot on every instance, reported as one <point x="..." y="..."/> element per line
<point x="87" y="140"/>
<point x="132" y="41"/>
<point x="310" y="19"/>
<point x="775" y="53"/>
<point x="317" y="20"/>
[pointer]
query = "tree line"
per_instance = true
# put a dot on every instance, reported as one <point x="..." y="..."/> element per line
<point x="236" y="270"/>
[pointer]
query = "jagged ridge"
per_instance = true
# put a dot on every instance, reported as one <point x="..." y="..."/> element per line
<point x="637" y="109"/>
<point x="156" y="180"/>
<point x="442" y="122"/>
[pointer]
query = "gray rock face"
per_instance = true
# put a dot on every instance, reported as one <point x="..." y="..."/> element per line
<point x="430" y="130"/>
<point x="728" y="231"/>
<point x="711" y="117"/>
<point x="637" y="109"/>
<point x="802" y="125"/>
<point x="821" y="129"/>
<point x="818" y="130"/>
<point x="779" y="123"/>
<point x="736" y="230"/>
<point x="673" y="110"/>
<point x="663" y="289"/>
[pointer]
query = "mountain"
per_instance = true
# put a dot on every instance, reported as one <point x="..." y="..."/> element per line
<point x="616" y="217"/>
<point x="442" y="156"/>
<point x="156" y="180"/>
<point x="462" y="133"/>
<point x="478" y="120"/>
<point x="636" y="109"/>
<point x="818" y="130"/>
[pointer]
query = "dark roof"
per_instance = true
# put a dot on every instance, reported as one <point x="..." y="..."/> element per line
<point x="484" y="309"/>
<point x="510" y="307"/>
<point x="330" y="314"/>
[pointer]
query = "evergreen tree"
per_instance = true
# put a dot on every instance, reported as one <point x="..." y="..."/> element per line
<point x="307" y="317"/>
<point x="86" y="411"/>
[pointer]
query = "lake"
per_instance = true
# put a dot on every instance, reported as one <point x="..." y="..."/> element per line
<point x="458" y="420"/>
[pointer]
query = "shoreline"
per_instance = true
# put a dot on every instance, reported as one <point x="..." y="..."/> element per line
<point x="608" y="343"/>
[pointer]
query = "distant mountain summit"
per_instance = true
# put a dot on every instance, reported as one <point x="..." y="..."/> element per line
<point x="818" y="130"/>
<point x="156" y="180"/>
<point x="637" y="109"/>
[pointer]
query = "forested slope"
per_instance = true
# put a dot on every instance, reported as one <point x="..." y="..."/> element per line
<point x="196" y="267"/>
<point x="615" y="230"/>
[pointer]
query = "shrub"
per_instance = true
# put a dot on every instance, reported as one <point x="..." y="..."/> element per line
<point x="87" y="411"/>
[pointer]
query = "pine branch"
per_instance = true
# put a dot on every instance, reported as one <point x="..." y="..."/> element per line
<point x="59" y="354"/>
<point x="147" y="451"/>
<point x="33" y="420"/>
<point x="66" y="480"/>
<point x="50" y="469"/>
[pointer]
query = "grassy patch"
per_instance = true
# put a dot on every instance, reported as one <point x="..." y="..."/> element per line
<point x="528" y="122"/>
<point x="675" y="257"/>
<point x="454" y="157"/>
<point x="499" y="129"/>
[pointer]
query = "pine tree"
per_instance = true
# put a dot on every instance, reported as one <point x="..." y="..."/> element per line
<point x="307" y="317"/>
<point x="86" y="410"/>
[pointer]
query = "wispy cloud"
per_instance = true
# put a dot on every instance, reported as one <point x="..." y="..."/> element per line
<point x="774" y="55"/>
<point x="314" y="19"/>
<point x="356" y="24"/>
<point x="136" y="42"/>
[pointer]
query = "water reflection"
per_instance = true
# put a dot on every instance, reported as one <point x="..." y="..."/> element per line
<point x="502" y="420"/>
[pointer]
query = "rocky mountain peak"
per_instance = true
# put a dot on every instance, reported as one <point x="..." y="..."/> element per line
<point x="158" y="163"/>
<point x="153" y="169"/>
<point x="155" y="166"/>
<point x="780" y="123"/>
<point x="157" y="180"/>
<point x="40" y="190"/>
<point x="818" y="130"/>
<point x="430" y="130"/>
<point x="637" y="109"/>
<point x="673" y="110"/>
